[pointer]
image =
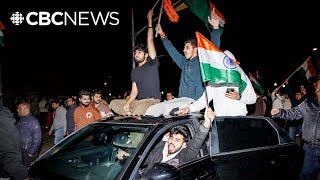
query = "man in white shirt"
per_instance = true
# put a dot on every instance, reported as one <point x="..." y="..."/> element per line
<point x="225" y="104"/>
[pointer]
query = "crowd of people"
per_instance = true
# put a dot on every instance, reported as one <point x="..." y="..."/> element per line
<point x="29" y="120"/>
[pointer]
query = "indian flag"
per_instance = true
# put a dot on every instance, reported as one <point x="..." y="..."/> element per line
<point x="202" y="9"/>
<point x="307" y="69"/>
<point x="1" y="35"/>
<point x="217" y="67"/>
<point x="255" y="84"/>
<point x="302" y="74"/>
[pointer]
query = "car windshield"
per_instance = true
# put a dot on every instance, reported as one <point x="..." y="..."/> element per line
<point x="98" y="151"/>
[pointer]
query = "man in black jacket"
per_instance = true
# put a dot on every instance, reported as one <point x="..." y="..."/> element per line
<point x="309" y="110"/>
<point x="29" y="133"/>
<point x="176" y="150"/>
<point x="11" y="165"/>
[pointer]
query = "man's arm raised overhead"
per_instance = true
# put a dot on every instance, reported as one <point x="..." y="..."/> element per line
<point x="150" y="40"/>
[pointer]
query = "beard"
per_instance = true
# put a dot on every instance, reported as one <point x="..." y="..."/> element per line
<point x="172" y="149"/>
<point x="139" y="60"/>
<point x="85" y="105"/>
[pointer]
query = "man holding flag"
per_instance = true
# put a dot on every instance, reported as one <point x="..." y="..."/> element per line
<point x="190" y="88"/>
<point x="309" y="111"/>
<point x="229" y="87"/>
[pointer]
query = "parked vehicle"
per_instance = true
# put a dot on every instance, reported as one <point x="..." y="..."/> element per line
<point x="243" y="147"/>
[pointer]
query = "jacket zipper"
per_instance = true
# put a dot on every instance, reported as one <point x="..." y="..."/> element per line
<point x="27" y="144"/>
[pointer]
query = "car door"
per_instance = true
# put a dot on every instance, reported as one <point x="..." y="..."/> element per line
<point x="246" y="148"/>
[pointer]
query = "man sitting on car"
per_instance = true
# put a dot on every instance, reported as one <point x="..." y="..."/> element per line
<point x="174" y="151"/>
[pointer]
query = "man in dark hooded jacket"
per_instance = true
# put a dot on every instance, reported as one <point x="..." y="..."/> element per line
<point x="11" y="165"/>
<point x="308" y="110"/>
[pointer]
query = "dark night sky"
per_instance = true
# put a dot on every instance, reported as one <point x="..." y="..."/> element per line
<point x="60" y="60"/>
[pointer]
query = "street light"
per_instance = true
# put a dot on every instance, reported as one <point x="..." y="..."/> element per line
<point x="315" y="59"/>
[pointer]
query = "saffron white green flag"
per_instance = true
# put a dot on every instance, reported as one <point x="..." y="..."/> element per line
<point x="255" y="84"/>
<point x="202" y="9"/>
<point x="302" y="74"/>
<point x="217" y="67"/>
<point x="307" y="69"/>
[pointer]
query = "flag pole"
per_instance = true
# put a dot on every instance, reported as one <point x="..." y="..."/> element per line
<point x="155" y="4"/>
<point x="294" y="71"/>
<point x="133" y="35"/>
<point x="143" y="28"/>
<point x="160" y="14"/>
<point x="132" y="39"/>
<point x="215" y="122"/>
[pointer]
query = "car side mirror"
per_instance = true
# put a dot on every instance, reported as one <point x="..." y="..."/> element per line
<point x="162" y="171"/>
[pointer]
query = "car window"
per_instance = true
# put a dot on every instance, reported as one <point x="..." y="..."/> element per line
<point x="96" y="152"/>
<point x="244" y="133"/>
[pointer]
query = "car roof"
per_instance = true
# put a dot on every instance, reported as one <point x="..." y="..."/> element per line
<point x="147" y="120"/>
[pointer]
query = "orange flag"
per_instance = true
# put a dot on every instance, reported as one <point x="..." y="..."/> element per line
<point x="172" y="14"/>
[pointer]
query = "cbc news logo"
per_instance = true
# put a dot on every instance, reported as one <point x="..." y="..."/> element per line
<point x="17" y="18"/>
<point x="76" y="18"/>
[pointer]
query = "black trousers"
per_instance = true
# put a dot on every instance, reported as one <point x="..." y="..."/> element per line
<point x="27" y="160"/>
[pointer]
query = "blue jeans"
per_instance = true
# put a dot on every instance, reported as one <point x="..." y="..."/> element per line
<point x="294" y="130"/>
<point x="311" y="164"/>
<point x="58" y="135"/>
